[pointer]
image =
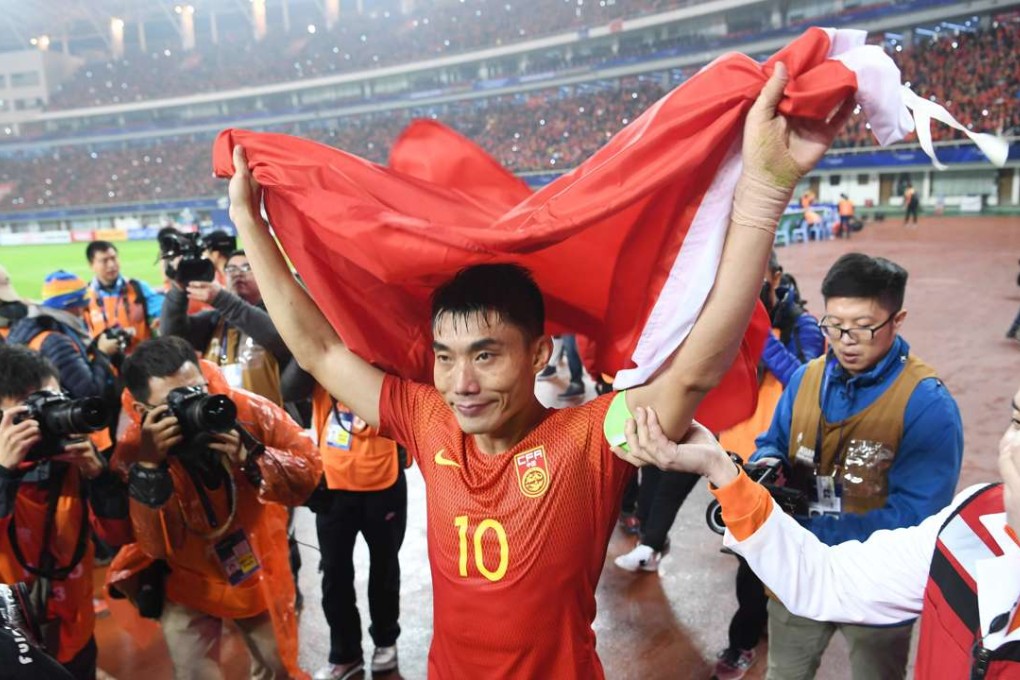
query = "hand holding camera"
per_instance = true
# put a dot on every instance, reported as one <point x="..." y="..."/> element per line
<point x="114" y="340"/>
<point x="161" y="431"/>
<point x="48" y="425"/>
<point x="203" y="291"/>
<point x="17" y="436"/>
<point x="188" y="415"/>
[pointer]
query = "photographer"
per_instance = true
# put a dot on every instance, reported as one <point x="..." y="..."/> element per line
<point x="207" y="496"/>
<point x="115" y="303"/>
<point x="874" y="439"/>
<point x="53" y="488"/>
<point x="57" y="330"/>
<point x="237" y="334"/>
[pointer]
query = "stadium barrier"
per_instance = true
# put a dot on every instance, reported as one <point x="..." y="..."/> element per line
<point x="35" y="238"/>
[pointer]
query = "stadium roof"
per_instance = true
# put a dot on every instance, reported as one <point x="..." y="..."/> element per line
<point x="86" y="23"/>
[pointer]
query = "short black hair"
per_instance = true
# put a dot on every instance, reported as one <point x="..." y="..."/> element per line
<point x="507" y="290"/>
<point x="23" y="371"/>
<point x="220" y="242"/>
<point x="97" y="247"/>
<point x="856" y="275"/>
<point x="156" y="358"/>
<point x="236" y="253"/>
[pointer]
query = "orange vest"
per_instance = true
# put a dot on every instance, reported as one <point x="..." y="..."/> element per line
<point x="846" y="207"/>
<point x="102" y="439"/>
<point x="70" y="599"/>
<point x="354" y="456"/>
<point x="126" y="310"/>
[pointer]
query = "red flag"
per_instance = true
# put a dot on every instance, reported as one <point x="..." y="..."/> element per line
<point x="625" y="247"/>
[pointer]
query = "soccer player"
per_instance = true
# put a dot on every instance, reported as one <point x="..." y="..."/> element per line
<point x="522" y="499"/>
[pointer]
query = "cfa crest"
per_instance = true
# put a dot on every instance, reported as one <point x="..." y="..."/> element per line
<point x="532" y="472"/>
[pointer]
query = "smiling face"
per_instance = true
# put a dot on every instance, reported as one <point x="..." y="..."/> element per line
<point x="485" y="369"/>
<point x="857" y="351"/>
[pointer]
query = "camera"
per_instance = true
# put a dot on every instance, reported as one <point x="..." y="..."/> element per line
<point x="23" y="654"/>
<point x="200" y="413"/>
<point x="121" y="335"/>
<point x="61" y="419"/>
<point x="770" y="473"/>
<point x="16" y="611"/>
<point x="192" y="266"/>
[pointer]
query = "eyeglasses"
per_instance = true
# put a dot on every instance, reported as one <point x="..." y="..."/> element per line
<point x="859" y="334"/>
<point x="237" y="269"/>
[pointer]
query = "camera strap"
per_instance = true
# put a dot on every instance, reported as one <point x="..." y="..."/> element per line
<point x="45" y="568"/>
<point x="217" y="529"/>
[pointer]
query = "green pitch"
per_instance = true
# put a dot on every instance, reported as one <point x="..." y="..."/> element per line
<point x="29" y="265"/>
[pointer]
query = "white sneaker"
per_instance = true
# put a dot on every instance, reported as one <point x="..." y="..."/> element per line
<point x="641" y="558"/>
<point x="340" y="672"/>
<point x="384" y="659"/>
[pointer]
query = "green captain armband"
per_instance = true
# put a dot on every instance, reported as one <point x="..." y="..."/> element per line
<point x="614" y="426"/>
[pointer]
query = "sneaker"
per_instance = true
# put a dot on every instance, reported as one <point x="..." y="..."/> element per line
<point x="641" y="558"/>
<point x="574" y="389"/>
<point x="547" y="372"/>
<point x="733" y="663"/>
<point x="630" y="524"/>
<point x="384" y="659"/>
<point x="344" y="671"/>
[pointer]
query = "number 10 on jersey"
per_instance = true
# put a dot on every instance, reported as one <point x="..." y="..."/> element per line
<point x="486" y="525"/>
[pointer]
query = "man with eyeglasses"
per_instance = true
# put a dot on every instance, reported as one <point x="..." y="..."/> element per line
<point x="874" y="440"/>
<point x="236" y="334"/>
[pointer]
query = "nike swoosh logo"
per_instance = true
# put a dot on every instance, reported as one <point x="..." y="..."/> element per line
<point x="443" y="460"/>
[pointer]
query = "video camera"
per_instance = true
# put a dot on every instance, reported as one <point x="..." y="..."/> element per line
<point x="201" y="413"/>
<point x="60" y="419"/>
<point x="770" y="473"/>
<point x="193" y="266"/>
<point x="21" y="652"/>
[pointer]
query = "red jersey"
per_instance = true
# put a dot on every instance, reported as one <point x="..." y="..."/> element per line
<point x="517" y="540"/>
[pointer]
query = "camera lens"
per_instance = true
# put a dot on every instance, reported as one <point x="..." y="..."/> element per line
<point x="66" y="417"/>
<point x="218" y="413"/>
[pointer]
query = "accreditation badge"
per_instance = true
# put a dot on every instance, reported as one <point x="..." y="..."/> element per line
<point x="236" y="557"/>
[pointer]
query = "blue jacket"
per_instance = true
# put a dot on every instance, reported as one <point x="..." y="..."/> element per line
<point x="67" y="349"/>
<point x="926" y="468"/>
<point x="782" y="360"/>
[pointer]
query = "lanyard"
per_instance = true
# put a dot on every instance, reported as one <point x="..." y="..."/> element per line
<point x="223" y="344"/>
<point x="121" y="300"/>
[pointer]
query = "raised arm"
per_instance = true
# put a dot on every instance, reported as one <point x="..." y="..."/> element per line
<point x="315" y="345"/>
<point x="777" y="152"/>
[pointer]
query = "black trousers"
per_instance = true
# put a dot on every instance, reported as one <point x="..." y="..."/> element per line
<point x="83" y="665"/>
<point x="381" y="517"/>
<point x="911" y="211"/>
<point x="752" y="613"/>
<point x="660" y="496"/>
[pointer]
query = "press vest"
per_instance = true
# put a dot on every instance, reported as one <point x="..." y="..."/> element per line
<point x="244" y="363"/>
<point x="126" y="310"/>
<point x="860" y="449"/>
<point x="354" y="456"/>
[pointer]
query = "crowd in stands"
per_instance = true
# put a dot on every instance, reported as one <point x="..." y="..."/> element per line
<point x="975" y="75"/>
<point x="433" y="29"/>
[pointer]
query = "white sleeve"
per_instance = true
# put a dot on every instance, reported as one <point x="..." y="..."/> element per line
<point x="878" y="582"/>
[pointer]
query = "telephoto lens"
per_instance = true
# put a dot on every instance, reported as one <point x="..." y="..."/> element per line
<point x="61" y="419"/>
